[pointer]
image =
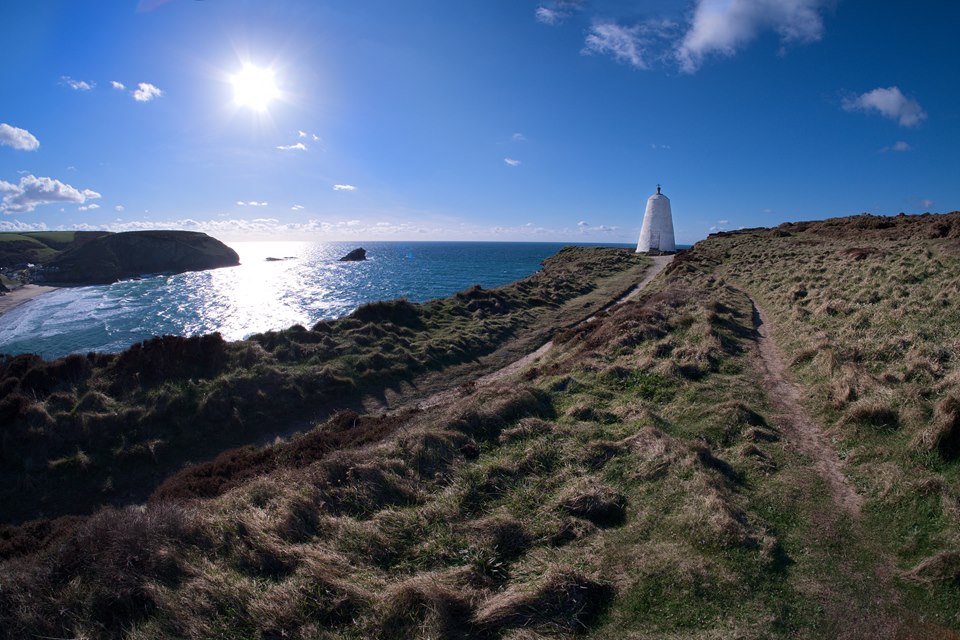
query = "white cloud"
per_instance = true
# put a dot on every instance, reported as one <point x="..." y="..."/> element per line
<point x="251" y="203"/>
<point x="890" y="103"/>
<point x="77" y="85"/>
<point x="32" y="192"/>
<point x="518" y="137"/>
<point x="344" y="187"/>
<point x="302" y="134"/>
<point x="512" y="162"/>
<point x="145" y="92"/>
<point x="583" y="223"/>
<point x="723" y="26"/>
<point x="17" y="138"/>
<point x="296" y="207"/>
<point x="299" y="146"/>
<point x="17" y="226"/>
<point x="654" y="145"/>
<point x="723" y="222"/>
<point x="625" y="44"/>
<point x="925" y="203"/>
<point x="89" y="207"/>
<point x="119" y="208"/>
<point x="117" y="85"/>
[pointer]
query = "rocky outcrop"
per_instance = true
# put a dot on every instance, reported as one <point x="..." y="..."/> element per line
<point x="355" y="256"/>
<point x="126" y="255"/>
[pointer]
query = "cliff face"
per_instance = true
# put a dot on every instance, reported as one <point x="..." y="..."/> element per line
<point x="126" y="255"/>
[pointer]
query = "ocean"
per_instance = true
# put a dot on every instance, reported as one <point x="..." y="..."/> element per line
<point x="306" y="284"/>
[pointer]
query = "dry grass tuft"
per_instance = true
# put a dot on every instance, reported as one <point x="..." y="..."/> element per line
<point x="873" y="413"/>
<point x="942" y="567"/>
<point x="565" y="601"/>
<point x="594" y="501"/>
<point x="426" y="607"/>
<point x="943" y="433"/>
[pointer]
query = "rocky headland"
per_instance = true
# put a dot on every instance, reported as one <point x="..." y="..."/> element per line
<point x="119" y="256"/>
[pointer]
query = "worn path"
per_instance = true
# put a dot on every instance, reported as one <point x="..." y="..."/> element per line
<point x="860" y="601"/>
<point x="659" y="264"/>
<point x="800" y="429"/>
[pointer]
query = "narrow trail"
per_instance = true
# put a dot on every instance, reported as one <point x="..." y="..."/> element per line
<point x="798" y="425"/>
<point x="877" y="612"/>
<point x="659" y="264"/>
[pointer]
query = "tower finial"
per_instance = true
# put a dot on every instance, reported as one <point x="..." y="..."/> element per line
<point x="658" y="190"/>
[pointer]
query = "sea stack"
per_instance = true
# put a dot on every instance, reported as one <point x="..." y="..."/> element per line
<point x="656" y="233"/>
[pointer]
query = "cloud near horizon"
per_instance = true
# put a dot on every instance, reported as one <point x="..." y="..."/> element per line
<point x="19" y="139"/>
<point x="32" y="192"/>
<point x="890" y="103"/>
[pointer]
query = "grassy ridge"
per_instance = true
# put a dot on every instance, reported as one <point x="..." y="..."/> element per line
<point x="92" y="429"/>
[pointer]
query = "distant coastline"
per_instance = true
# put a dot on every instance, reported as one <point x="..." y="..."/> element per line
<point x="20" y="295"/>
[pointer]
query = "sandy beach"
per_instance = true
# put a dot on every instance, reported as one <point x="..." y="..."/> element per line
<point x="22" y="294"/>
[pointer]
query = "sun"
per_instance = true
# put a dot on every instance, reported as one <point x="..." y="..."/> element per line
<point x="254" y="87"/>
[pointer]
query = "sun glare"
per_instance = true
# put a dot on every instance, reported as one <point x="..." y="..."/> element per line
<point x="254" y="87"/>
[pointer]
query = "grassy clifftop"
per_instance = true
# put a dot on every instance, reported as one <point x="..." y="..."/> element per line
<point x="39" y="246"/>
<point x="92" y="429"/>
<point x="758" y="446"/>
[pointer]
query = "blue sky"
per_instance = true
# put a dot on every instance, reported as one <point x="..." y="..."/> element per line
<point x="482" y="120"/>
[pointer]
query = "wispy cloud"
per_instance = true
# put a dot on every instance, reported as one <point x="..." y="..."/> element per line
<point x="624" y="43"/>
<point x="899" y="146"/>
<point x="890" y="103"/>
<point x="556" y="11"/>
<point x="518" y="137"/>
<point x="32" y="192"/>
<point x="77" y="85"/>
<point x="654" y="145"/>
<point x="549" y="16"/>
<point x="18" y="138"/>
<point x="512" y="162"/>
<point x="119" y="208"/>
<point x="117" y="85"/>
<point x="251" y="203"/>
<point x="145" y="92"/>
<point x="722" y="27"/>
<point x="296" y="207"/>
<point x="585" y="227"/>
<point x="89" y="207"/>
<point x="297" y="146"/>
<point x="344" y="187"/>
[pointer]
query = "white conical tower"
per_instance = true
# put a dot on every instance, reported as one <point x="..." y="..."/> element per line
<point x="656" y="234"/>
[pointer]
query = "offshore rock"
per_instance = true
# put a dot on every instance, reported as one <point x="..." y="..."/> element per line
<point x="355" y="256"/>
